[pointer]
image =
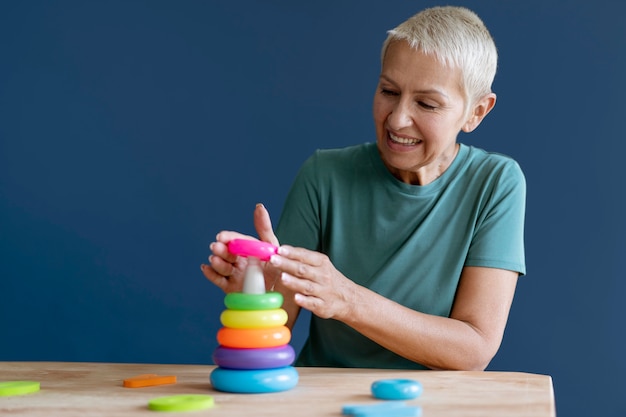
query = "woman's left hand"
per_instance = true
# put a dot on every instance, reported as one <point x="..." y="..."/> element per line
<point x="318" y="285"/>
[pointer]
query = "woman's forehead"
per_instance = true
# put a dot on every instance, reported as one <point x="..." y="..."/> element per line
<point x="406" y="65"/>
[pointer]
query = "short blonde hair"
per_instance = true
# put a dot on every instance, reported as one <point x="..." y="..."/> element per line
<point x="457" y="37"/>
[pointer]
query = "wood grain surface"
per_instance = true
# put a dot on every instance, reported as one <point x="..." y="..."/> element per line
<point x="96" y="389"/>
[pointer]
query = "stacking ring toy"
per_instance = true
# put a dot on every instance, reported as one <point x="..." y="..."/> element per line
<point x="254" y="338"/>
<point x="253" y="319"/>
<point x="254" y="381"/>
<point x="396" y="389"/>
<point x="258" y="249"/>
<point x="275" y="357"/>
<point x="243" y="301"/>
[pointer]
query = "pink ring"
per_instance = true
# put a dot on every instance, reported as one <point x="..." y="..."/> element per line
<point x="246" y="247"/>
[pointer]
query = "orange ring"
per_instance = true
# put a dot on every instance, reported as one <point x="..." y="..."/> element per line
<point x="254" y="338"/>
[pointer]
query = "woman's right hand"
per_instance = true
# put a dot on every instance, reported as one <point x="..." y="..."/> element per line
<point x="227" y="270"/>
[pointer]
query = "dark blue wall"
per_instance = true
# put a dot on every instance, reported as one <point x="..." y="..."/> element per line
<point x="132" y="131"/>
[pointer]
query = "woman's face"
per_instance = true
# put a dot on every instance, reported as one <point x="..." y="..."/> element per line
<point x="418" y="111"/>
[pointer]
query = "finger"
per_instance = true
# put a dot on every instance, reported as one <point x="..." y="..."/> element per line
<point x="263" y="225"/>
<point x="220" y="250"/>
<point x="315" y="305"/>
<point x="308" y="302"/>
<point x="214" y="276"/>
<point x="226" y="236"/>
<point x="221" y="266"/>
<point x="302" y="255"/>
<point x="298" y="285"/>
<point x="292" y="267"/>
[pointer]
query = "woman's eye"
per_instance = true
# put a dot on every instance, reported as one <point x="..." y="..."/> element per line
<point x="386" y="92"/>
<point x="426" y="106"/>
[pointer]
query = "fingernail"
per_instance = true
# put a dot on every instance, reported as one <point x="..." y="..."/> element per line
<point x="285" y="278"/>
<point x="274" y="260"/>
<point x="211" y="245"/>
<point x="282" y="251"/>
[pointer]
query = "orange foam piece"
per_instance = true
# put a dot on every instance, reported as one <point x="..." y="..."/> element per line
<point x="149" y="380"/>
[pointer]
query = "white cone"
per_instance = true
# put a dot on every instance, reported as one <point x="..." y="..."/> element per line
<point x="253" y="281"/>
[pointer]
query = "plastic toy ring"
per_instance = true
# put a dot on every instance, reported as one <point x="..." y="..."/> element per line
<point x="253" y="319"/>
<point x="243" y="301"/>
<point x="185" y="402"/>
<point x="254" y="381"/>
<point x="258" y="249"/>
<point x="267" y="358"/>
<point x="10" y="388"/>
<point x="396" y="389"/>
<point x="254" y="338"/>
<point x="383" y="409"/>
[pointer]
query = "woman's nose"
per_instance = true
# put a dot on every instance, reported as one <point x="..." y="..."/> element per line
<point x="400" y="116"/>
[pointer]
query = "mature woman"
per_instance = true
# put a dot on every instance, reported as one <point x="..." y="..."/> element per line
<point x="406" y="251"/>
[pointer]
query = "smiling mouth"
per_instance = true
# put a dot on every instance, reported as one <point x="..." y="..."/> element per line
<point x="403" y="141"/>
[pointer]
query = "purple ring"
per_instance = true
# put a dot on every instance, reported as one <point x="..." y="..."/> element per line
<point x="261" y="358"/>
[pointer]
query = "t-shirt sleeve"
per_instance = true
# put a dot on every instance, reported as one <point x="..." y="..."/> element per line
<point x="498" y="240"/>
<point x="299" y="223"/>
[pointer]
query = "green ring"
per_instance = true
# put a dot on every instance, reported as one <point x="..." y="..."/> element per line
<point x="243" y="301"/>
<point x="185" y="402"/>
<point x="10" y="388"/>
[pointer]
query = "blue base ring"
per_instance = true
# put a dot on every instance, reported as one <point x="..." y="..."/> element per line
<point x="266" y="358"/>
<point x="396" y="389"/>
<point x="254" y="381"/>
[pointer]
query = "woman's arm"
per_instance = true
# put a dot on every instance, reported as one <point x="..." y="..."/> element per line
<point x="467" y="340"/>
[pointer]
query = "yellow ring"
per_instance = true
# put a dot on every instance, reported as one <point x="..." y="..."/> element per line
<point x="253" y="338"/>
<point x="253" y="319"/>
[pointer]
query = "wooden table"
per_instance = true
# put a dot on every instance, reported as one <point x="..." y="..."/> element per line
<point x="96" y="389"/>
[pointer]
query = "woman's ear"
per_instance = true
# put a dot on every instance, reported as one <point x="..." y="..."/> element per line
<point x="479" y="110"/>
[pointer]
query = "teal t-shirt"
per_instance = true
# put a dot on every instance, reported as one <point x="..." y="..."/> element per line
<point x="408" y="243"/>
